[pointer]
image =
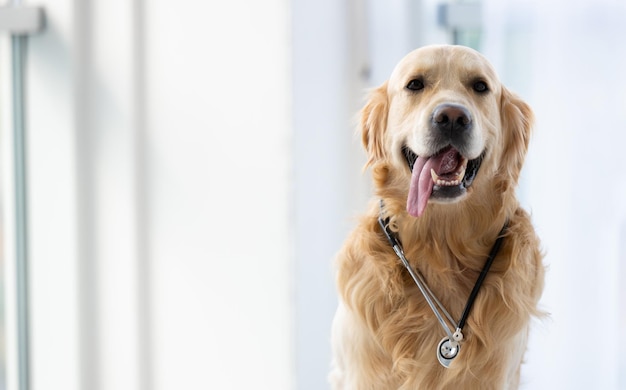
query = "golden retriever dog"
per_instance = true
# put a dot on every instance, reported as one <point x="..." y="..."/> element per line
<point x="446" y="142"/>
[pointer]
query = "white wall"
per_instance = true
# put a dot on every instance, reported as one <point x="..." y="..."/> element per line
<point x="328" y="52"/>
<point x="219" y="183"/>
<point x="160" y="178"/>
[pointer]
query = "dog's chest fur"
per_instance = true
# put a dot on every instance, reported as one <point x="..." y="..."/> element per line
<point x="392" y="333"/>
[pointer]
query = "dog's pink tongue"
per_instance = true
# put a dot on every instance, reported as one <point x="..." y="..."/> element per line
<point x="422" y="181"/>
<point x="421" y="186"/>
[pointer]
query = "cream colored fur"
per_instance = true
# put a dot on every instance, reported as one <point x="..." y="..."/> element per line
<point x="384" y="334"/>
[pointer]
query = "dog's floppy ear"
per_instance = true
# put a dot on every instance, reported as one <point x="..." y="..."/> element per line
<point x="517" y="122"/>
<point x="374" y="123"/>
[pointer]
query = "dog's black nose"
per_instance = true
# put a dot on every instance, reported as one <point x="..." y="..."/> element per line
<point x="451" y="118"/>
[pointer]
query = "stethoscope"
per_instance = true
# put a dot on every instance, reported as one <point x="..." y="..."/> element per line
<point x="449" y="347"/>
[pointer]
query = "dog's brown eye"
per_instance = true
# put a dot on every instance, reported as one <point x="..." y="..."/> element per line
<point x="480" y="86"/>
<point x="415" y="85"/>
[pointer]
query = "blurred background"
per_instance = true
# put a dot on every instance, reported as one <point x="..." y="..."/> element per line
<point x="191" y="168"/>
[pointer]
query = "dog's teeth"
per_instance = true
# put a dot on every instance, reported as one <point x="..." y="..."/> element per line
<point x="461" y="173"/>
<point x="447" y="182"/>
<point x="435" y="176"/>
<point x="441" y="182"/>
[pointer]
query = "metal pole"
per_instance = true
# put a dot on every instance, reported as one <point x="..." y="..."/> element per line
<point x="18" y="46"/>
<point x="20" y="21"/>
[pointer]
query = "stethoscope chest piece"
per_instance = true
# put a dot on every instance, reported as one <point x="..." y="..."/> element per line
<point x="447" y="350"/>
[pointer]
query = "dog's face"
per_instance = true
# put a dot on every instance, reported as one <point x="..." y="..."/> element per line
<point x="444" y="124"/>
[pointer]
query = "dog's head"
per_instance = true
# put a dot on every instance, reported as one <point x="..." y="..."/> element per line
<point x="443" y="129"/>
